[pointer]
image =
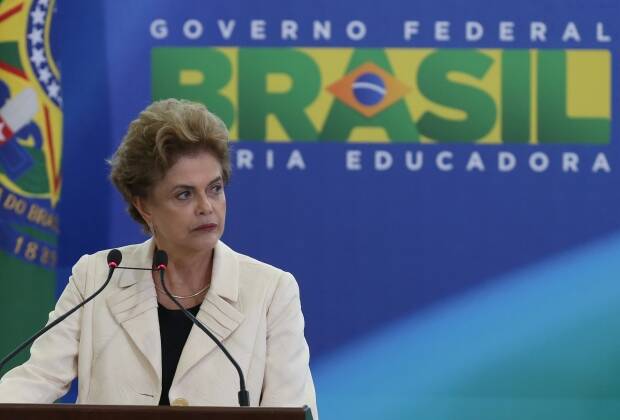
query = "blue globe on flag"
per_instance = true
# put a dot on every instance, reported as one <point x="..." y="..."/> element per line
<point x="369" y="89"/>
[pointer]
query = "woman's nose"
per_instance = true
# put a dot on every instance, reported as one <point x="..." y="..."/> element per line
<point x="204" y="205"/>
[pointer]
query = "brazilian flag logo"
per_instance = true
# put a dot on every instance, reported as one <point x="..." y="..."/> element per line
<point x="30" y="146"/>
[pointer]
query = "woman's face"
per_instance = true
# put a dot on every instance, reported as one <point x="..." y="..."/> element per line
<point x="187" y="208"/>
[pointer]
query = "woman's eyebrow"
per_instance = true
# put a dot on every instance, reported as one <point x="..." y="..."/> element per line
<point x="183" y="187"/>
<point x="217" y="179"/>
<point x="191" y="187"/>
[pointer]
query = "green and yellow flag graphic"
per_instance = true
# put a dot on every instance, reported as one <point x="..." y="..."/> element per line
<point x="30" y="157"/>
<point x="382" y="95"/>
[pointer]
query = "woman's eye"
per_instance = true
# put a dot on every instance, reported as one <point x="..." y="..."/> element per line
<point x="217" y="188"/>
<point x="183" y="195"/>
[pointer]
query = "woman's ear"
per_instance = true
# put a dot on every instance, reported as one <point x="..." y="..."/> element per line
<point x="141" y="205"/>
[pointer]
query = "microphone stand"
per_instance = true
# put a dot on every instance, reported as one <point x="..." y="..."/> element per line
<point x="113" y="261"/>
<point x="244" y="395"/>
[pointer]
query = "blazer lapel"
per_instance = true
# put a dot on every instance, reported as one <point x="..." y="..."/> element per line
<point x="134" y="306"/>
<point x="218" y="311"/>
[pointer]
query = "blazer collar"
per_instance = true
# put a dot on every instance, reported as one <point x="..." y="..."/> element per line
<point x="225" y="274"/>
<point x="220" y="311"/>
<point x="224" y="277"/>
<point x="134" y="307"/>
<point x="134" y="304"/>
<point x="140" y="256"/>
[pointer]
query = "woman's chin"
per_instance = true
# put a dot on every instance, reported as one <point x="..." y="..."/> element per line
<point x="202" y="241"/>
<point x="193" y="243"/>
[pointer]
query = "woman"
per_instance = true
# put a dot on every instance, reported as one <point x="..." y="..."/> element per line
<point x="131" y="344"/>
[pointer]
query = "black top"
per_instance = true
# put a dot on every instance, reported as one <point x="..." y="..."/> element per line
<point x="174" y="328"/>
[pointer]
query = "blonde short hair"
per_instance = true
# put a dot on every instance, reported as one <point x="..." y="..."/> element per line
<point x="165" y="131"/>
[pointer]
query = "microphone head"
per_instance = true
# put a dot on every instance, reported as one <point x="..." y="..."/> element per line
<point x="114" y="258"/>
<point x="160" y="259"/>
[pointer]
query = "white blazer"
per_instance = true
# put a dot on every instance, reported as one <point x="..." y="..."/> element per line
<point x="113" y="345"/>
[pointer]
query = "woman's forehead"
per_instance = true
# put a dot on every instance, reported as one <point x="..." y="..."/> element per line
<point x="202" y="166"/>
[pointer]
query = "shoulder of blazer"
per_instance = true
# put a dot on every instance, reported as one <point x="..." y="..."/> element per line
<point x="91" y="270"/>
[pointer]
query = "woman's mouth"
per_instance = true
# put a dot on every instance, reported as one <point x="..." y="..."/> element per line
<point x="206" y="227"/>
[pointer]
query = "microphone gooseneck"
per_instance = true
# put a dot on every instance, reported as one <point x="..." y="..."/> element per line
<point x="160" y="263"/>
<point x="114" y="259"/>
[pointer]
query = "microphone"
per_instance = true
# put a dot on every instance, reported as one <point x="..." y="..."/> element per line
<point x="160" y="263"/>
<point x="114" y="259"/>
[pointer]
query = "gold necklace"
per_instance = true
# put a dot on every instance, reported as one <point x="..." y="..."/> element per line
<point x="186" y="297"/>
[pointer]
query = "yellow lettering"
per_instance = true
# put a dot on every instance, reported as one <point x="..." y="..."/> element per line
<point x="45" y="256"/>
<point x="15" y="203"/>
<point x="40" y="216"/>
<point x="31" y="251"/>
<point x="18" y="245"/>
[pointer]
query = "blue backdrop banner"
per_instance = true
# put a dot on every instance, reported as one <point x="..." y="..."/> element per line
<point x="440" y="176"/>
